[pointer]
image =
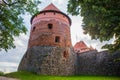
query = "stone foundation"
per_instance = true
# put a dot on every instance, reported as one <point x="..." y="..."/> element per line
<point x="49" y="60"/>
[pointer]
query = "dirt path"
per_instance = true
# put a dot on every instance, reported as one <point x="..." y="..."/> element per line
<point x="5" y="78"/>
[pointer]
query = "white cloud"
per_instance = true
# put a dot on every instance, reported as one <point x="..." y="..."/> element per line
<point x="8" y="64"/>
<point x="76" y="29"/>
<point x="21" y="40"/>
<point x="58" y="1"/>
<point x="18" y="42"/>
<point x="8" y="67"/>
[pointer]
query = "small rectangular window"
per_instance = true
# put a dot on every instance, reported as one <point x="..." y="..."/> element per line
<point x="50" y="26"/>
<point x="57" y="39"/>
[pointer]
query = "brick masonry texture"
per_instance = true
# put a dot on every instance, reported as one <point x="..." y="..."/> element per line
<point x="42" y="35"/>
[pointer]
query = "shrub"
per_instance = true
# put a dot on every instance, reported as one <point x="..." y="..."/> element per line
<point x="1" y="73"/>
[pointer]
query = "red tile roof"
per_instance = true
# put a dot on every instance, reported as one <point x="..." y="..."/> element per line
<point x="80" y="45"/>
<point x="51" y="7"/>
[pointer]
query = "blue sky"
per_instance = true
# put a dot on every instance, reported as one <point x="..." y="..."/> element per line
<point x="9" y="61"/>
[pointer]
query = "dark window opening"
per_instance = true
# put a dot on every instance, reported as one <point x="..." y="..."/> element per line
<point x="57" y="39"/>
<point x="44" y="13"/>
<point x="34" y="28"/>
<point x="54" y="13"/>
<point x="65" y="54"/>
<point x="50" y="26"/>
<point x="78" y="51"/>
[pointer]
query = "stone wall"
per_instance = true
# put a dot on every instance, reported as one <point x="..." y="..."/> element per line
<point x="49" y="60"/>
<point x="98" y="63"/>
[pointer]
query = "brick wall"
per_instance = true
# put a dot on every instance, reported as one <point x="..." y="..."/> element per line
<point x="57" y="35"/>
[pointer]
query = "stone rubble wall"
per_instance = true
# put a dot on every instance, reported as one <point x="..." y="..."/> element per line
<point x="48" y="60"/>
<point x="98" y="63"/>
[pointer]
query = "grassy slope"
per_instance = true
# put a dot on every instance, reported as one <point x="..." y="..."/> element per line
<point x="31" y="76"/>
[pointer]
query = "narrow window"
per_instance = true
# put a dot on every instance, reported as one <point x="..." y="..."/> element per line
<point x="65" y="54"/>
<point x="54" y="13"/>
<point x="50" y="26"/>
<point x="44" y="13"/>
<point x="34" y="28"/>
<point x="57" y="39"/>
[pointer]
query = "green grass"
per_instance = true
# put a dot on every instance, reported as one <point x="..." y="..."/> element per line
<point x="31" y="76"/>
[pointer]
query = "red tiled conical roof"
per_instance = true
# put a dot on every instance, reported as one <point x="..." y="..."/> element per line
<point x="51" y="7"/>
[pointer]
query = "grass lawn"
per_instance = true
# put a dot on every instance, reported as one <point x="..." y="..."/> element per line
<point x="31" y="76"/>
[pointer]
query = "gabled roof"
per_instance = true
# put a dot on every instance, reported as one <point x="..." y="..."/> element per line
<point x="80" y="45"/>
<point x="51" y="7"/>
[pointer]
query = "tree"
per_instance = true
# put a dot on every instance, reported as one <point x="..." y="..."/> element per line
<point x="11" y="22"/>
<point x="101" y="19"/>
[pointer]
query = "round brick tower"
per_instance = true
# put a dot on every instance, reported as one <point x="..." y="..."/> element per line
<point x="50" y="27"/>
<point x="49" y="49"/>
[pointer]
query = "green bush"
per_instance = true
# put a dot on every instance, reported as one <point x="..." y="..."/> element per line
<point x="1" y="73"/>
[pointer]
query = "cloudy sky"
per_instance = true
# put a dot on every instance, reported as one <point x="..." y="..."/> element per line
<point x="9" y="61"/>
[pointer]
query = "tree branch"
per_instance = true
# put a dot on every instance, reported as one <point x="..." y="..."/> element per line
<point x="5" y="2"/>
<point x="9" y="4"/>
